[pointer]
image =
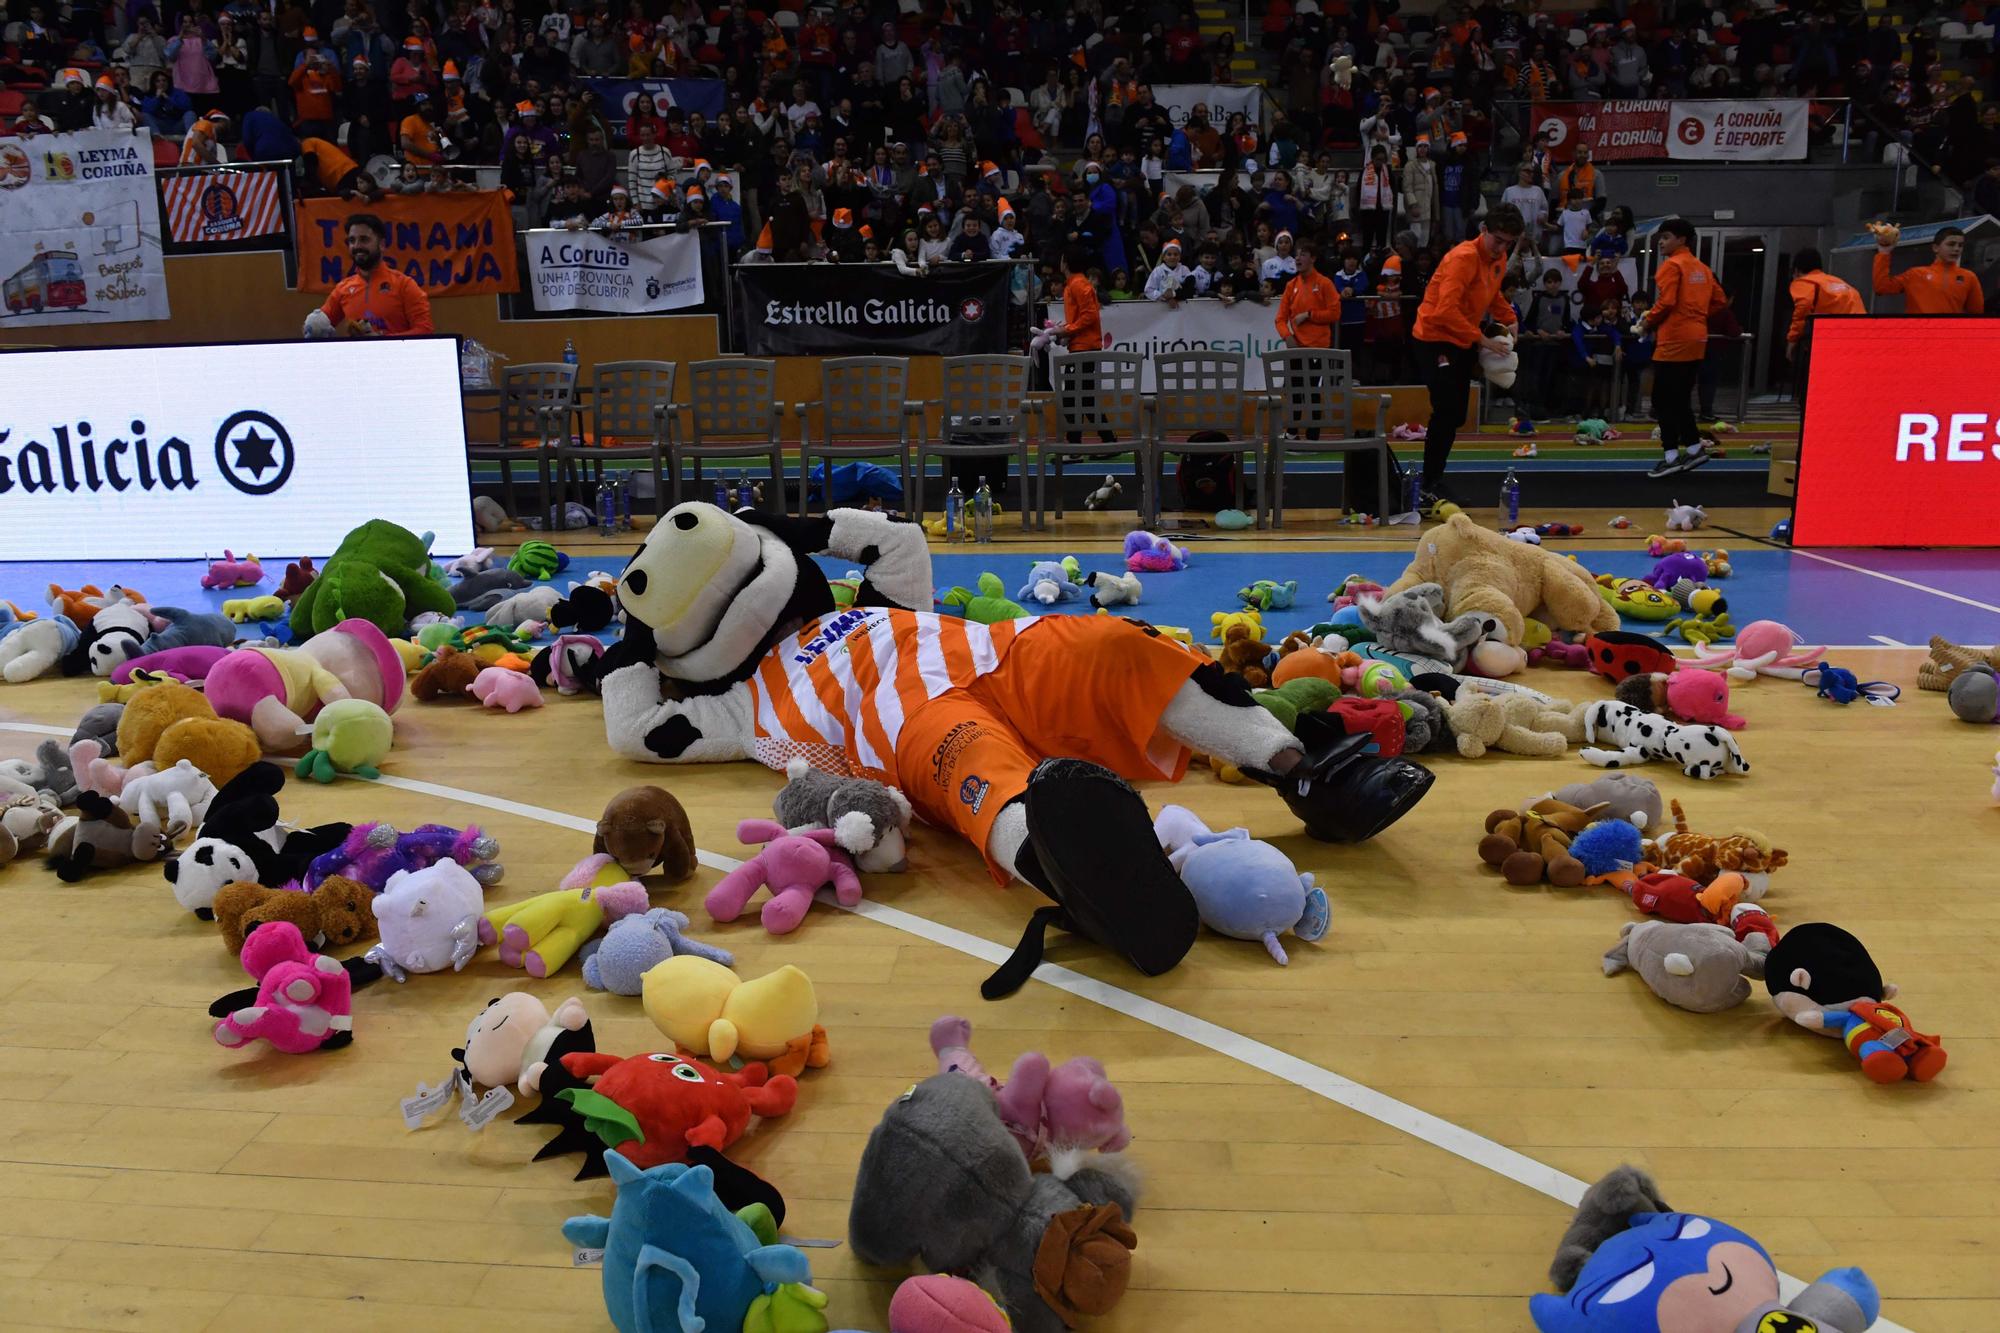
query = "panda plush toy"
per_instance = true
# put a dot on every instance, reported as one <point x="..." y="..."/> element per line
<point x="242" y="840"/>
<point x="1022" y="736"/>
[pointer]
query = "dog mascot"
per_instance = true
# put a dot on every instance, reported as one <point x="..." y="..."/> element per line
<point x="1020" y="735"/>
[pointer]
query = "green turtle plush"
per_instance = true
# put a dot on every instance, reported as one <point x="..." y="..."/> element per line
<point x="348" y="736"/>
<point x="382" y="574"/>
<point x="988" y="606"/>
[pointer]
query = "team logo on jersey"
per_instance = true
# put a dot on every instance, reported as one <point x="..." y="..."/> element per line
<point x="973" y="791"/>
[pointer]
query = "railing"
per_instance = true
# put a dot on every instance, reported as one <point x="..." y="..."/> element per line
<point x="1616" y="409"/>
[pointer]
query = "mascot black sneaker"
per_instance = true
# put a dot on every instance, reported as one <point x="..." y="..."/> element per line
<point x="1341" y="794"/>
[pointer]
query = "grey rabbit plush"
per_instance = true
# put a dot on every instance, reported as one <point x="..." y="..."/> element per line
<point x="943" y="1182"/>
<point x="1698" y="966"/>
<point x="869" y="820"/>
<point x="1412" y="622"/>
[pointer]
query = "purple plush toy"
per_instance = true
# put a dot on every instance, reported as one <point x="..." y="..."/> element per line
<point x="1046" y="1108"/>
<point x="374" y="852"/>
<point x="1671" y="569"/>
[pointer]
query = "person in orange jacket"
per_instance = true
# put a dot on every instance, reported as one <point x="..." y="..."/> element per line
<point x="1309" y="310"/>
<point x="1687" y="292"/>
<point x="1083" y="323"/>
<point x="375" y="300"/>
<point x="1462" y="295"/>
<point x="1814" y="292"/>
<point x="1941" y="287"/>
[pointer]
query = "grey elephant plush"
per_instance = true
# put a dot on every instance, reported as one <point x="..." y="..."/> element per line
<point x="944" y="1183"/>
<point x="48" y="771"/>
<point x="1696" y="966"/>
<point x="1412" y="621"/>
<point x="620" y="960"/>
<point x="1629" y="796"/>
<point x="870" y="821"/>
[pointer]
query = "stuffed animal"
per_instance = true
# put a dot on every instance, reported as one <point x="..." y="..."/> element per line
<point x="1681" y="1271"/>
<point x="487" y="589"/>
<point x="706" y="1008"/>
<point x="1221" y="622"/>
<point x="794" y="865"/>
<point x="380" y="573"/>
<point x="242" y="610"/>
<point x="1109" y="589"/>
<point x="652" y="1108"/>
<point x="174" y="797"/>
<point x="51" y="770"/>
<point x="633" y="944"/>
<point x="100" y="836"/>
<point x="1824" y="980"/>
<point x="1687" y="695"/>
<point x="1245" y="889"/>
<point x="241" y="841"/>
<point x="675" y="1258"/>
<point x="1499" y="364"/>
<point x="645" y="828"/>
<point x="1531" y="845"/>
<point x="100" y="724"/>
<point x="1635" y="598"/>
<point x="278" y="691"/>
<point x="538" y="560"/>
<point x="173" y="628"/>
<point x="1269" y="595"/>
<point x="1066" y="1108"/>
<point x="1701" y="857"/>
<point x="1974" y="695"/>
<point x="447" y="676"/>
<point x="1412" y="621"/>
<point x="1048" y="583"/>
<point x="1763" y="648"/>
<point x="1618" y="654"/>
<point x="1936" y="672"/>
<point x="542" y="933"/>
<point x="1243" y="654"/>
<point x="479" y="558"/>
<point x="229" y="572"/>
<point x="337" y="912"/>
<point x="303" y="1001"/>
<point x="299" y="576"/>
<point x="1481" y="571"/>
<point x="586" y="607"/>
<point x="570" y="664"/>
<point x="348" y="736"/>
<point x="1685" y="518"/>
<point x="1147" y="554"/>
<point x="989" y="605"/>
<point x="1698" y="966"/>
<point x="488" y="516"/>
<point x="428" y="920"/>
<point x="497" y="687"/>
<point x="1559" y="653"/>
<point x="1515" y="723"/>
<point x="1641" y="737"/>
<point x="81" y="605"/>
<point x="36" y="647"/>
<point x="943" y="1183"/>
<point x="870" y="821"/>
<point x="1102" y="497"/>
<point x="26" y="821"/>
<point x="1677" y="898"/>
<point x="941" y="1303"/>
<point x="373" y="853"/>
<point x="1670" y="569"/>
<point x="535" y="604"/>
<point x="516" y="1039"/>
<point x="1628" y="796"/>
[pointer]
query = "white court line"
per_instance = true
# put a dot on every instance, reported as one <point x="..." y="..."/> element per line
<point x="1888" y="642"/>
<point x="1901" y="582"/>
<point x="1321" y="1082"/>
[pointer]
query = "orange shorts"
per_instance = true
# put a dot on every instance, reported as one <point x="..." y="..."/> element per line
<point x="1086" y="687"/>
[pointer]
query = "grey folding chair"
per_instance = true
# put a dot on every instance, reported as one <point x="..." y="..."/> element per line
<point x="981" y="413"/>
<point x="628" y="402"/>
<point x="864" y="411"/>
<point x="537" y="400"/>
<point x="1201" y="393"/>
<point x="1098" y="394"/>
<point x="1309" y="392"/>
<point x="732" y="412"/>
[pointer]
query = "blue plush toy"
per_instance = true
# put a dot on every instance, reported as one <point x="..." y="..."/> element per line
<point x="1244" y="889"/>
<point x="1269" y="595"/>
<point x="1629" y="1264"/>
<point x="1048" y="583"/>
<point x="1607" y="846"/>
<point x="634" y="943"/>
<point x="675" y="1259"/>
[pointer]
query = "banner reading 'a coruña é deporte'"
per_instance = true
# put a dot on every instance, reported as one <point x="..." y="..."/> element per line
<point x="871" y="309"/>
<point x="458" y="244"/>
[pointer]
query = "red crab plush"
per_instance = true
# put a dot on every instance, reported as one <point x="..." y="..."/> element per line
<point x="654" y="1107"/>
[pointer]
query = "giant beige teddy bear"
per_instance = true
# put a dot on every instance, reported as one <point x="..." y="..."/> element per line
<point x="1483" y="571"/>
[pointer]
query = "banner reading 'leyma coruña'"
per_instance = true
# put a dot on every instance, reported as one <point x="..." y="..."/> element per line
<point x="80" y="229"/>
<point x="871" y="309"/>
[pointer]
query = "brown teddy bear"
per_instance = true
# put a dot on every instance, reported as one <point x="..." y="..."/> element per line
<point x="169" y="722"/>
<point x="644" y="827"/>
<point x="150" y="712"/>
<point x="1484" y="572"/>
<point x="1533" y="844"/>
<point x="1243" y="654"/>
<point x="446" y="675"/>
<point x="339" y="911"/>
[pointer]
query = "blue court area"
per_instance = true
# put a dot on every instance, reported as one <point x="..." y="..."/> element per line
<point x="1838" y="597"/>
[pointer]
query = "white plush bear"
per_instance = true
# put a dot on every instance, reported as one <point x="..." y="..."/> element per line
<point x="429" y="920"/>
<point x="173" y="798"/>
<point x="35" y="648"/>
<point x="1499" y="367"/>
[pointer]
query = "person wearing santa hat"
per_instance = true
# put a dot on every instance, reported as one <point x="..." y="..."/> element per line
<point x="843" y="242"/>
<point x="112" y="112"/>
<point x="1006" y="241"/>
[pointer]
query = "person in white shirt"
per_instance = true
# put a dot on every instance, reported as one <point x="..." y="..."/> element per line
<point x="1574" y="223"/>
<point x="1282" y="266"/>
<point x="931" y="249"/>
<point x="1005" y="240"/>
<point x="1527" y="196"/>
<point x="111" y="112"/>
<point x="648" y="162"/>
<point x="800" y="106"/>
<point x="1169" y="276"/>
<point x="557" y="25"/>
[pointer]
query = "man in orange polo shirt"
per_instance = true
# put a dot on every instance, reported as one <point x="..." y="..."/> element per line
<point x="417" y="134"/>
<point x="1461" y="297"/>
<point x="375" y="300"/>
<point x="1940" y="287"/>
<point x="1686" y="292"/>
<point x="1309" y="310"/>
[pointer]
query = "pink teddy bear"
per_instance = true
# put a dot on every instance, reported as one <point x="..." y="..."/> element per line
<point x="303" y="1000"/>
<point x="1047" y="1109"/>
<point x="498" y="687"/>
<point x="795" y="865"/>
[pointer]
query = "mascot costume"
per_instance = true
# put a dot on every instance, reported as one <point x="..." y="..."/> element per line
<point x="1020" y="735"/>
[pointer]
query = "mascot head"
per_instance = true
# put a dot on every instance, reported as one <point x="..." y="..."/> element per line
<point x="717" y="589"/>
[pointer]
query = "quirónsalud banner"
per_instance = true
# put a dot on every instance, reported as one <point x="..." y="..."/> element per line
<point x="581" y="270"/>
<point x="1199" y="325"/>
<point x="458" y="244"/>
<point x="871" y="309"/>
<point x="1703" y="131"/>
<point x="80" y="229"/>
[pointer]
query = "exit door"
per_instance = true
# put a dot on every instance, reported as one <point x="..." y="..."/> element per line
<point x="1742" y="262"/>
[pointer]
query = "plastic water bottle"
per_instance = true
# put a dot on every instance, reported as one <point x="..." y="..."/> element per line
<point x="1510" y="501"/>
<point x="982" y="512"/>
<point x="569" y="352"/>
<point x="625" y="503"/>
<point x="607" y="510"/>
<point x="1413" y="492"/>
<point x="954" y="512"/>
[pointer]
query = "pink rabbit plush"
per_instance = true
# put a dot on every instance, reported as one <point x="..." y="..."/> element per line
<point x="794" y="865"/>
<point x="303" y="1001"/>
<point x="1047" y="1109"/>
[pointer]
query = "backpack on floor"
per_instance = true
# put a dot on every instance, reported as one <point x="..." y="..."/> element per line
<point x="1207" y="481"/>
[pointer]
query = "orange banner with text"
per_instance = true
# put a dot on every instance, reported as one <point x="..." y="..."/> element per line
<point x="457" y="244"/>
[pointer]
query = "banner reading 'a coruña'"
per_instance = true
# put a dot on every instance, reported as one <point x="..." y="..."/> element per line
<point x="871" y="309"/>
<point x="458" y="244"/>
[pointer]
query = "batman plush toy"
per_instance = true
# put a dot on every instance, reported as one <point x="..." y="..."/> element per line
<point x="1022" y="735"/>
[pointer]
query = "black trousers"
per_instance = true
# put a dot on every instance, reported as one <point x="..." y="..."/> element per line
<point x="1086" y="401"/>
<point x="1674" y="385"/>
<point x="1449" y="371"/>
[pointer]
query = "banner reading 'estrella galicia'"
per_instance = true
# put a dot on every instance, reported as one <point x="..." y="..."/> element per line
<point x="582" y="270"/>
<point x="871" y="309"/>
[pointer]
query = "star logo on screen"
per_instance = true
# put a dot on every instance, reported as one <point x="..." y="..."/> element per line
<point x="254" y="452"/>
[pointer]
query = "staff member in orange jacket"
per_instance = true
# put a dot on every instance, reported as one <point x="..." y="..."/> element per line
<point x="1687" y="292"/>
<point x="1463" y="292"/>
<point x="1309" y="310"/>
<point x="1814" y="292"/>
<point x="375" y="299"/>
<point x="1940" y="287"/>
<point x="1083" y="324"/>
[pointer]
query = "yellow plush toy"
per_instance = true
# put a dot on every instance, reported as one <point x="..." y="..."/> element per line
<point x="540" y="934"/>
<point x="1221" y="621"/>
<point x="708" y="1010"/>
<point x="242" y="609"/>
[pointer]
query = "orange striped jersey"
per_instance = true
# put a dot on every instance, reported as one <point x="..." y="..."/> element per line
<point x="836" y="693"/>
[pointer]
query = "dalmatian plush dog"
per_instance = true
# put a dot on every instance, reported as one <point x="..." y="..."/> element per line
<point x="1641" y="737"/>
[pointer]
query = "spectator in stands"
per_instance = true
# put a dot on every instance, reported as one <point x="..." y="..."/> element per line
<point x="1352" y="284"/>
<point x="1385" y="338"/>
<point x="1420" y="190"/>
<point x="29" y="121"/>
<point x="166" y="109"/>
<point x="1543" y="347"/>
<point x="232" y="67"/>
<point x="199" y="148"/>
<point x="933" y="245"/>
<point x="1377" y="199"/>
<point x="417" y="134"/>
<point x="1578" y="182"/>
<point x="1629" y="73"/>
<point x="1006" y="241"/>
<point x="145" y="51"/>
<point x="595" y="52"/>
<point x="1687" y="292"/>
<point x="541" y="139"/>
<point x="1461" y="299"/>
<point x="843" y="242"/>
<point x="1527" y="196"/>
<point x="314" y="86"/>
<point x="1309" y="309"/>
<point x="112" y="112"/>
<point x="1282" y="264"/>
<point x="190" y="54"/>
<point x="1456" y="190"/>
<point x="1595" y="348"/>
<point x="1047" y="103"/>
<point x="893" y="61"/>
<point x="69" y="104"/>
<point x="907" y="255"/>
<point x="1170" y="279"/>
<point x="1637" y="352"/>
<point x="265" y="138"/>
<point x="1573" y="227"/>
<point x="1941" y="287"/>
<point x="375" y="300"/>
<point x="723" y="207"/>
<point x="1600" y="283"/>
<point x="334" y="172"/>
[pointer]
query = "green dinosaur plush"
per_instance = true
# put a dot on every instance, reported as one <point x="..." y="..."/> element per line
<point x="1305" y="694"/>
<point x="381" y="574"/>
<point x="988" y="606"/>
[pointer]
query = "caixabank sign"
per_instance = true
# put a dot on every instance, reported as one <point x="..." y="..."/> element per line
<point x="278" y="448"/>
